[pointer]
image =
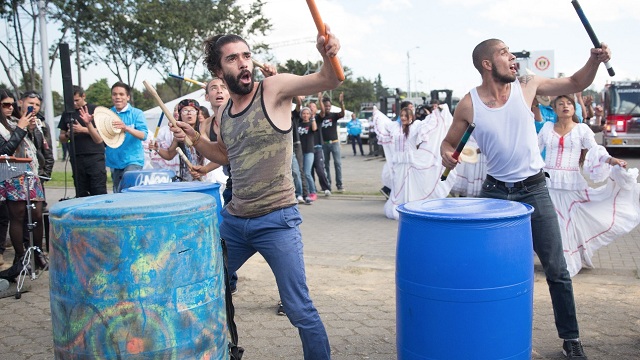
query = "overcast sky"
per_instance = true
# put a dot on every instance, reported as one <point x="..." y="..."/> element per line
<point x="377" y="34"/>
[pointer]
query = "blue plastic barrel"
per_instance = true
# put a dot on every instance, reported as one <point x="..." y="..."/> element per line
<point x="203" y="187"/>
<point x="464" y="280"/>
<point x="137" y="276"/>
<point x="146" y="177"/>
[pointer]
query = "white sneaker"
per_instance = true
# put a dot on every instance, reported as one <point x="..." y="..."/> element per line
<point x="327" y="193"/>
<point x="300" y="199"/>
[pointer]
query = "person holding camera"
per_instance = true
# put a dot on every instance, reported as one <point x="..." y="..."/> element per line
<point x="14" y="126"/>
<point x="86" y="147"/>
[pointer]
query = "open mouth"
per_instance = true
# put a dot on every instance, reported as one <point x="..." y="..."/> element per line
<point x="513" y="68"/>
<point x="245" y="76"/>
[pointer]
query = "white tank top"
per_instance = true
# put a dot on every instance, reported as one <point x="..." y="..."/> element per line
<point x="507" y="137"/>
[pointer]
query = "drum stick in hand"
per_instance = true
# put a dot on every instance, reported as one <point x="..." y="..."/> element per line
<point x="461" y="144"/>
<point x="335" y="63"/>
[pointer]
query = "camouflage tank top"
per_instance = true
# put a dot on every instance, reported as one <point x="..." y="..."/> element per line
<point x="260" y="158"/>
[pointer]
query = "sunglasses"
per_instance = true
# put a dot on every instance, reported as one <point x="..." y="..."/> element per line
<point x="8" y="105"/>
<point x="32" y="95"/>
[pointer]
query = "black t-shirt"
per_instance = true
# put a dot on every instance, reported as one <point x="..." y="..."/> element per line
<point x="317" y="135"/>
<point x="83" y="143"/>
<point x="306" y="136"/>
<point x="295" y="119"/>
<point x="329" y="126"/>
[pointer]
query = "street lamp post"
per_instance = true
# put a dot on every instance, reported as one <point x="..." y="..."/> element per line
<point x="409" y="71"/>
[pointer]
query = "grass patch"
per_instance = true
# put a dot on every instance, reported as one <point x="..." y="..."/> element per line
<point x="58" y="179"/>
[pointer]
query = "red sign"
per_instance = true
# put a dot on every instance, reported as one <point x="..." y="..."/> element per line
<point x="542" y="63"/>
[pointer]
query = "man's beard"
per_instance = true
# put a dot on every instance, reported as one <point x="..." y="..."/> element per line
<point x="234" y="85"/>
<point x="506" y="79"/>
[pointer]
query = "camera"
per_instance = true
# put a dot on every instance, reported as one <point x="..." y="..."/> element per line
<point x="29" y="109"/>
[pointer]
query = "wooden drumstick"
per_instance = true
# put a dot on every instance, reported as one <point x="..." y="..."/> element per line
<point x="164" y="108"/>
<point x="335" y="63"/>
<point x="261" y="66"/>
<point x="186" y="160"/>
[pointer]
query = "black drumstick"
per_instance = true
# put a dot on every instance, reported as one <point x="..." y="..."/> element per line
<point x="592" y="34"/>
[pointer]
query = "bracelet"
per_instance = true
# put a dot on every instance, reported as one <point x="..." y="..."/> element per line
<point x="197" y="139"/>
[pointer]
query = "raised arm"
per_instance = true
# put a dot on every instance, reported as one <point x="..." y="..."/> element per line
<point x="577" y="82"/>
<point x="287" y="86"/>
<point x="461" y="119"/>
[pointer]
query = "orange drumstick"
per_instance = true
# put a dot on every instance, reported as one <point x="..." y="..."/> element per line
<point x="335" y="63"/>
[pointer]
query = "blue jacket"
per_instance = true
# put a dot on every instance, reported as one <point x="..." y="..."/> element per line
<point x="131" y="151"/>
<point x="354" y="127"/>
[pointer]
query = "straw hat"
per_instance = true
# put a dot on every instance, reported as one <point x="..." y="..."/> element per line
<point x="543" y="100"/>
<point x="104" y="118"/>
<point x="469" y="155"/>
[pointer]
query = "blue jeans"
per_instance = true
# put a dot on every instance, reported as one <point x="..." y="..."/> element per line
<point x="117" y="174"/>
<point x="276" y="236"/>
<point x="354" y="139"/>
<point x="297" y="179"/>
<point x="333" y="149"/>
<point x="308" y="165"/>
<point x="547" y="243"/>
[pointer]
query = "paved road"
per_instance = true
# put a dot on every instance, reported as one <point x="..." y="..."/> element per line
<point x="350" y="258"/>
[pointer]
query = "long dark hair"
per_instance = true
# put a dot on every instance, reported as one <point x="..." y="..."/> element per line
<point x="4" y="94"/>
<point x="409" y="114"/>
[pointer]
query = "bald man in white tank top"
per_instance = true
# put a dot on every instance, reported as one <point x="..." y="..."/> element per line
<point x="506" y="134"/>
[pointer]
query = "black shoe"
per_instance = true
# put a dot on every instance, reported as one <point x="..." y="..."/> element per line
<point x="280" y="310"/>
<point x="572" y="349"/>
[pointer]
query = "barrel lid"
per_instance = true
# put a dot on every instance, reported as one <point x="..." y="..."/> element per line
<point x="127" y="205"/>
<point x="466" y="209"/>
<point x="185" y="186"/>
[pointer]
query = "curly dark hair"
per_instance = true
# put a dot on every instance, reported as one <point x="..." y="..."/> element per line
<point x="212" y="53"/>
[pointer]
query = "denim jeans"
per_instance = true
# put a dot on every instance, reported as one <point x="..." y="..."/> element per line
<point x="276" y="236"/>
<point x="297" y="179"/>
<point x="333" y="149"/>
<point x="297" y="153"/>
<point x="354" y="139"/>
<point x="117" y="174"/>
<point x="308" y="165"/>
<point x="547" y="243"/>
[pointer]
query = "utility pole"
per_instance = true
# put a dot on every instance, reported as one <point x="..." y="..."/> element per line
<point x="47" y="98"/>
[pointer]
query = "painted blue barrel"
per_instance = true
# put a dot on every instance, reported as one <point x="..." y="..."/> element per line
<point x="464" y="280"/>
<point x="146" y="177"/>
<point x="204" y="187"/>
<point x="134" y="276"/>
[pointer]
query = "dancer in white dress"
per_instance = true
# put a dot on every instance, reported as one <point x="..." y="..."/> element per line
<point x="470" y="174"/>
<point x="589" y="217"/>
<point x="412" y="149"/>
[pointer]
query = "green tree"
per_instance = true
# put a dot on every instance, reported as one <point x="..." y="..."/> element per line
<point x="21" y="20"/>
<point x="356" y="92"/>
<point x="179" y="43"/>
<point x="111" y="34"/>
<point x="298" y="68"/>
<point x="99" y="93"/>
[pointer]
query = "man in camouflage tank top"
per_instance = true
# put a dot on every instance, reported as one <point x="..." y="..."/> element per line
<point x="255" y="137"/>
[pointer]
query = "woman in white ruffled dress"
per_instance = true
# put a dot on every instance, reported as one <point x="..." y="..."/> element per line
<point x="471" y="174"/>
<point x="589" y="217"/>
<point x="412" y="150"/>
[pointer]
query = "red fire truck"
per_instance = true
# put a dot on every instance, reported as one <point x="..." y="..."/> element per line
<point x="621" y="104"/>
